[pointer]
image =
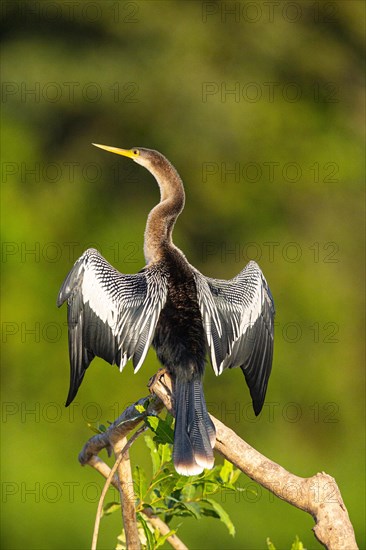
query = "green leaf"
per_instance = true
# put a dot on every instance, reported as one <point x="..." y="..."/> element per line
<point x="211" y="487"/>
<point x="96" y="429"/>
<point x="179" y="509"/>
<point x="167" y="485"/>
<point x="226" y="471"/>
<point x="140" y="483"/>
<point x="150" y="542"/>
<point x="223" y="515"/>
<point x="270" y="544"/>
<point x="188" y="492"/>
<point x="111" y="507"/>
<point x="193" y="508"/>
<point x="183" y="481"/>
<point x="297" y="544"/>
<point x="154" y="453"/>
<point x="209" y="512"/>
<point x="165" y="452"/>
<point x="165" y="478"/>
<point x="234" y="476"/>
<point x="164" y="432"/>
<point x="153" y="422"/>
<point x="186" y="509"/>
<point x="162" y="538"/>
<point x="169" y="419"/>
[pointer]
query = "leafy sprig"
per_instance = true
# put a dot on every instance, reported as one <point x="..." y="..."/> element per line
<point x="169" y="495"/>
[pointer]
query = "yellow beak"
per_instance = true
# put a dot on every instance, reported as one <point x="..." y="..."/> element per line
<point x="124" y="152"/>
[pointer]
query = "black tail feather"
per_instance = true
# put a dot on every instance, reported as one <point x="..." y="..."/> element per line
<point x="194" y="436"/>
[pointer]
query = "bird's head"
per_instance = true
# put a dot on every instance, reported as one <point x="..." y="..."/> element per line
<point x="163" y="171"/>
<point x="146" y="157"/>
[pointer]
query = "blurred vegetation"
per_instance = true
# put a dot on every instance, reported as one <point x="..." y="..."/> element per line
<point x="273" y="92"/>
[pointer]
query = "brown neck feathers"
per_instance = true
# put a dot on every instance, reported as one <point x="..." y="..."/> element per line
<point x="161" y="220"/>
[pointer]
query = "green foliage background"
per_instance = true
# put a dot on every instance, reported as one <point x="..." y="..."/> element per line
<point x="139" y="73"/>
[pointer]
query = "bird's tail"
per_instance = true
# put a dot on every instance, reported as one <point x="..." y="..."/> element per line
<point x="194" y="435"/>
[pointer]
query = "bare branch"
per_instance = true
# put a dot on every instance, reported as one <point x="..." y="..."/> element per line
<point x="100" y="504"/>
<point x="155" y="521"/>
<point x="318" y="495"/>
<point x="110" y="478"/>
<point x="127" y="492"/>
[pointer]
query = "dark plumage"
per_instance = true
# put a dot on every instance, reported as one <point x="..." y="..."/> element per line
<point x="182" y="313"/>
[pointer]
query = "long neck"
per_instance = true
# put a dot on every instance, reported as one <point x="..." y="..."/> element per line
<point x="161" y="220"/>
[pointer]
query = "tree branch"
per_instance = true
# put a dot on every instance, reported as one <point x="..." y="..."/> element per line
<point x="318" y="495"/>
<point x="123" y="425"/>
<point x="127" y="494"/>
<point x="111" y="478"/>
<point x="158" y="523"/>
<point x="113" y="436"/>
<point x="174" y="541"/>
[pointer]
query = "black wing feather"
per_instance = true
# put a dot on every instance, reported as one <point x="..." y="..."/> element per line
<point x="238" y="317"/>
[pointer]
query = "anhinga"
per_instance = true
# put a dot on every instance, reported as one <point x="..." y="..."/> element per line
<point x="172" y="306"/>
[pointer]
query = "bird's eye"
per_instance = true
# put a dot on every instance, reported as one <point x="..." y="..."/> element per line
<point x="136" y="152"/>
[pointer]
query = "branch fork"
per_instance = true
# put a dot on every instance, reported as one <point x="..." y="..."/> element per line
<point x="318" y="495"/>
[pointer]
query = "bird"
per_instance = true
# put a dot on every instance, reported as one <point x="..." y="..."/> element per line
<point x="172" y="307"/>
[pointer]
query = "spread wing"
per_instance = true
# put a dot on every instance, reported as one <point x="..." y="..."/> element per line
<point x="238" y="318"/>
<point x="110" y="315"/>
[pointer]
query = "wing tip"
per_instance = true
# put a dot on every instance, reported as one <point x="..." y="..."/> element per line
<point x="61" y="298"/>
<point x="71" y="396"/>
<point x="257" y="406"/>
